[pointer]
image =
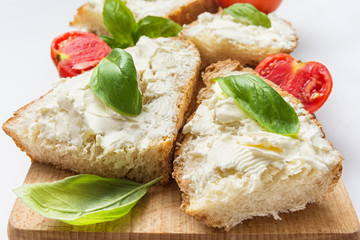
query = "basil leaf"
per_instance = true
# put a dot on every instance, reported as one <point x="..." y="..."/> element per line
<point x="83" y="199"/>
<point x="119" y="21"/>
<point x="125" y="32"/>
<point x="153" y="27"/>
<point x="261" y="102"/>
<point x="112" y="42"/>
<point x="114" y="81"/>
<point x="247" y="14"/>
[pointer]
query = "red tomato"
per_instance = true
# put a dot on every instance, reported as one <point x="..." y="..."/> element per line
<point x="76" y="52"/>
<point x="266" y="6"/>
<point x="310" y="82"/>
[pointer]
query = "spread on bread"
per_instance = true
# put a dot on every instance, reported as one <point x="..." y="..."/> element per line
<point x="143" y="8"/>
<point x="231" y="169"/>
<point x="220" y="37"/>
<point x="70" y="127"/>
<point x="90" y="17"/>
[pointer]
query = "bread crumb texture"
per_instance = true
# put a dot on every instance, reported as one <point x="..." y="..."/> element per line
<point x="231" y="169"/>
<point x="72" y="129"/>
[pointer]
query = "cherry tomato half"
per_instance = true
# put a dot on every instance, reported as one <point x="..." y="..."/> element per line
<point x="310" y="82"/>
<point x="266" y="6"/>
<point x="76" y="52"/>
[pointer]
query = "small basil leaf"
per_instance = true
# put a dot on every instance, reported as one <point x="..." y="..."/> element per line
<point x="119" y="21"/>
<point x="112" y="42"/>
<point x="114" y="81"/>
<point x="261" y="102"/>
<point x="247" y="14"/>
<point x="83" y="199"/>
<point x="153" y="27"/>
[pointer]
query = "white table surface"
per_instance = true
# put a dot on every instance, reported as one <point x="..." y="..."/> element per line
<point x="328" y="32"/>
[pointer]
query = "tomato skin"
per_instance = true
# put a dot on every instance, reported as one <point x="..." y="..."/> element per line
<point x="310" y="82"/>
<point x="266" y="6"/>
<point x="76" y="52"/>
<point x="313" y="85"/>
<point x="284" y="66"/>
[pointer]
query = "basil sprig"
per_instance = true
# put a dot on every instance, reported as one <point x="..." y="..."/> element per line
<point x="120" y="22"/>
<point x="261" y="102"/>
<point x="247" y="14"/>
<point x="83" y="199"/>
<point x="114" y="81"/>
<point x="125" y="31"/>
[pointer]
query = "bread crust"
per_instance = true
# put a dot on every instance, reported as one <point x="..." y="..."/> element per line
<point x="185" y="14"/>
<point x="85" y="18"/>
<point x="189" y="12"/>
<point x="164" y="152"/>
<point x="213" y="71"/>
<point x="11" y="121"/>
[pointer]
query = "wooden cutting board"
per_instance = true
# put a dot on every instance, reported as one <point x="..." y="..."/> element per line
<point x="158" y="216"/>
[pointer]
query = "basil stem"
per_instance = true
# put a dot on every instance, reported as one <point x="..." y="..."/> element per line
<point x="261" y="102"/>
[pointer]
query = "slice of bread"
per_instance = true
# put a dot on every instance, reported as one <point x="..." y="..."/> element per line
<point x="89" y="15"/>
<point x="218" y="38"/>
<point x="230" y="169"/>
<point x="71" y="128"/>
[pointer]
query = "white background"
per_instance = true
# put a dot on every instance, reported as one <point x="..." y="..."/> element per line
<point x="328" y="32"/>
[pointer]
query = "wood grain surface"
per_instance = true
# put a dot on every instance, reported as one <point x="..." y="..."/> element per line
<point x="158" y="216"/>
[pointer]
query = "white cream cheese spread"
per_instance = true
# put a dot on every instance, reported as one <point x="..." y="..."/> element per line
<point x="74" y="113"/>
<point x="143" y="8"/>
<point x="222" y="27"/>
<point x="228" y="144"/>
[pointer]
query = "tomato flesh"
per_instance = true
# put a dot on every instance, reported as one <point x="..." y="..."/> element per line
<point x="266" y="6"/>
<point x="310" y="82"/>
<point x="76" y="52"/>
